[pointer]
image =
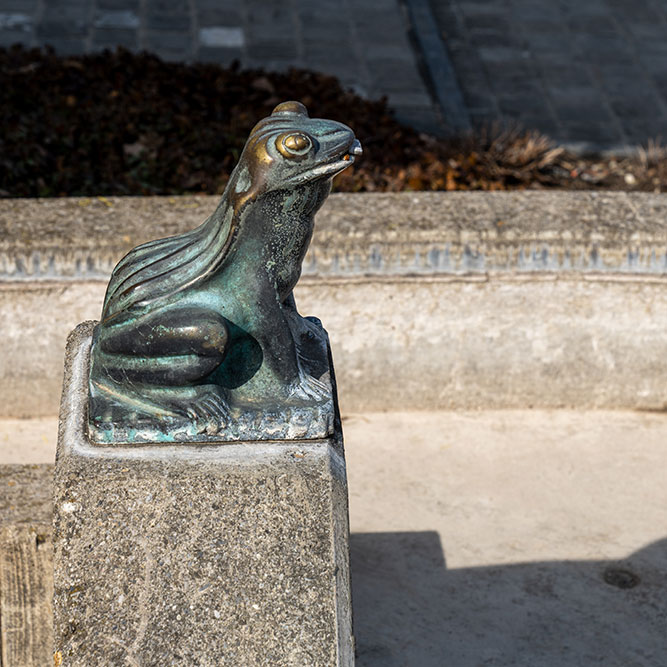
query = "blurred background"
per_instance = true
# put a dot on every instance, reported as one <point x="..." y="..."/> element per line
<point x="444" y="94"/>
<point x="501" y="356"/>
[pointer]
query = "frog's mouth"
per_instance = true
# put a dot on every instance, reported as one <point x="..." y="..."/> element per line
<point x="354" y="149"/>
<point x="339" y="160"/>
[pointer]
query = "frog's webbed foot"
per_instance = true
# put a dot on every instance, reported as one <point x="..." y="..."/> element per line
<point x="309" y="388"/>
<point x="208" y="410"/>
<point x="204" y="405"/>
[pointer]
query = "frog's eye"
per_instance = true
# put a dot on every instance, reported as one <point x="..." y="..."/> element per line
<point x="294" y="145"/>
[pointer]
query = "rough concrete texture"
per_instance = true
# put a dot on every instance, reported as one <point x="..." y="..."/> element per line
<point x="490" y="540"/>
<point x="361" y="234"/>
<point x="26" y="440"/>
<point x="405" y="343"/>
<point x="483" y="538"/>
<point x="26" y="484"/>
<point x="197" y="555"/>
<point x="432" y="300"/>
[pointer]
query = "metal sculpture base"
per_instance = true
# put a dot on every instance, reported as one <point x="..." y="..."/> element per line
<point x="246" y="421"/>
<point x="198" y="554"/>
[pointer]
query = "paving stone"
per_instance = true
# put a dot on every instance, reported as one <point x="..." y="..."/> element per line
<point x="265" y="30"/>
<point x="267" y="16"/>
<point x="593" y="25"/>
<point x="18" y="6"/>
<point x="341" y="65"/>
<point x="381" y="6"/>
<point x="558" y="75"/>
<point x="660" y="80"/>
<point x="472" y="8"/>
<point x="169" y="22"/>
<point x="493" y="38"/>
<point x="321" y="16"/>
<point x="500" y="54"/>
<point x="639" y="131"/>
<point x="394" y="75"/>
<point x="219" y="4"/>
<point x="118" y="18"/>
<point x="627" y="107"/>
<point x="531" y="10"/>
<point x="590" y="130"/>
<point x="538" y="26"/>
<point x="495" y="21"/>
<point x="110" y="38"/>
<point x="509" y="49"/>
<point x="221" y="56"/>
<point x="421" y="117"/>
<point x="12" y="37"/>
<point x="271" y="49"/>
<point x="604" y="50"/>
<point x="567" y="114"/>
<point x="553" y="43"/>
<point x="572" y="109"/>
<point x="274" y="64"/>
<point x="568" y="44"/>
<point x="542" y="123"/>
<point x="332" y="32"/>
<point x="167" y="6"/>
<point x="523" y="104"/>
<point x="416" y="100"/>
<point x="652" y="32"/>
<point x="633" y="9"/>
<point x="60" y="22"/>
<point x="131" y="5"/>
<point x="171" y="42"/>
<point x="219" y="17"/>
<point x="620" y="78"/>
<point x="83" y="7"/>
<point x="376" y="26"/>
<point x="16" y="21"/>
<point x="222" y="37"/>
<point x="67" y="46"/>
<point x="481" y="100"/>
<point x="271" y="34"/>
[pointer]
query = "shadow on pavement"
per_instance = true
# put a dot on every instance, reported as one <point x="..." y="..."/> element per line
<point x="410" y="610"/>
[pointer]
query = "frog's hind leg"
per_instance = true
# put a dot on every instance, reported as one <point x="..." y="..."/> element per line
<point x="174" y="347"/>
<point x="157" y="364"/>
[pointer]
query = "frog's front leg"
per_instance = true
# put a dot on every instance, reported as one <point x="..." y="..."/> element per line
<point x="283" y="374"/>
<point x="310" y="327"/>
<point x="157" y="363"/>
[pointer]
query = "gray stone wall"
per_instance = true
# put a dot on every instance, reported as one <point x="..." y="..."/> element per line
<point x="432" y="300"/>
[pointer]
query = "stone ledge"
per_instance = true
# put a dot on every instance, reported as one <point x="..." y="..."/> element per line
<point x="383" y="234"/>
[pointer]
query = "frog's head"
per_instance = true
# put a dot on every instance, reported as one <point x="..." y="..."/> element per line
<point x="288" y="149"/>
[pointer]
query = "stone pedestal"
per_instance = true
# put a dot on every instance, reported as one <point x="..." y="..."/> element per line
<point x="210" y="554"/>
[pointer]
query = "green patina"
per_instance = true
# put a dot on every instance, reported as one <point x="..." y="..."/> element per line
<point x="198" y="326"/>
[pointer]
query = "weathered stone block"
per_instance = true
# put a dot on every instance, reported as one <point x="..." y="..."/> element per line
<point x="197" y="554"/>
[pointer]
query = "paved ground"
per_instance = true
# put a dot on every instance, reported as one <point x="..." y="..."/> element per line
<point x="591" y="73"/>
<point x="495" y="538"/>
<point x="583" y="71"/>
<point x="363" y="42"/>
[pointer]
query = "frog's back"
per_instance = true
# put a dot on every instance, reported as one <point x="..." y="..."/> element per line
<point x="157" y="269"/>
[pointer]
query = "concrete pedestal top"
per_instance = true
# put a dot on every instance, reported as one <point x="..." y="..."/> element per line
<point x="199" y="554"/>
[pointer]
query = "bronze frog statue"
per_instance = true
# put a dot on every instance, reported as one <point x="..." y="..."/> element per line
<point x="202" y="327"/>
